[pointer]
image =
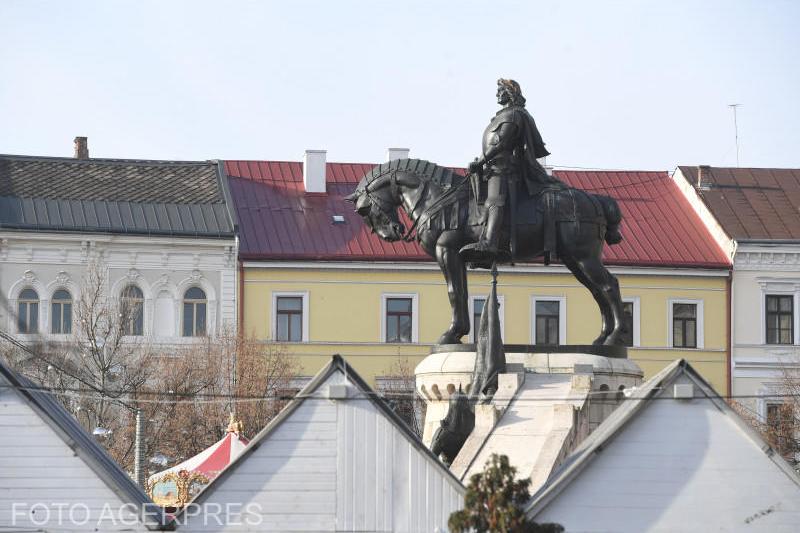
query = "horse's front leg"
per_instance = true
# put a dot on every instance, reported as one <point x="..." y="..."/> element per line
<point x="455" y="275"/>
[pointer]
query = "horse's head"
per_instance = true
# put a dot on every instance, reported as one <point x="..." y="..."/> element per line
<point x="377" y="203"/>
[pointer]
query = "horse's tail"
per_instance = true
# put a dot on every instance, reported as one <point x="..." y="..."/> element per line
<point x="613" y="218"/>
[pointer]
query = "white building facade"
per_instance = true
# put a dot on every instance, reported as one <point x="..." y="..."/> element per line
<point x="164" y="269"/>
<point x="766" y="324"/>
<point x="160" y="234"/>
<point x="752" y="214"/>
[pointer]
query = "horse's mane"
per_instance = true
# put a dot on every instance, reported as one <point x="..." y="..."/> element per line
<point x="423" y="169"/>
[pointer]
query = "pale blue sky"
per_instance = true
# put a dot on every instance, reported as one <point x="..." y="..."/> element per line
<point x="629" y="85"/>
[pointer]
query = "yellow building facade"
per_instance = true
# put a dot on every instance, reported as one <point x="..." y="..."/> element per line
<point x="344" y="311"/>
<point x="315" y="279"/>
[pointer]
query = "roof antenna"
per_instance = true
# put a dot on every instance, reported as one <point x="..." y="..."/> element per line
<point x="735" y="129"/>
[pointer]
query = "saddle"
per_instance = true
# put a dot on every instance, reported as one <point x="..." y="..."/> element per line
<point x="548" y="205"/>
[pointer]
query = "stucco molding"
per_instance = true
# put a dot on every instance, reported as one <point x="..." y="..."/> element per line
<point x="784" y="260"/>
<point x="64" y="281"/>
<point x="425" y="266"/>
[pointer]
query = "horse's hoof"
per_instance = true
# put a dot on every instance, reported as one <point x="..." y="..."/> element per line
<point x="448" y="339"/>
<point x="613" y="340"/>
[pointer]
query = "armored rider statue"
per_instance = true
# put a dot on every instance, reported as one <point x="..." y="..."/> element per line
<point x="511" y="145"/>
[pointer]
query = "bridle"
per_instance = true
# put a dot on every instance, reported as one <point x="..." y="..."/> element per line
<point x="386" y="207"/>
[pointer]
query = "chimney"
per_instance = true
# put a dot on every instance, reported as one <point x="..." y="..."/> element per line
<point x="397" y="153"/>
<point x="314" y="170"/>
<point x="703" y="175"/>
<point x="81" y="148"/>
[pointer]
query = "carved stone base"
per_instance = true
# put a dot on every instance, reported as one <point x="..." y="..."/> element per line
<point x="545" y="405"/>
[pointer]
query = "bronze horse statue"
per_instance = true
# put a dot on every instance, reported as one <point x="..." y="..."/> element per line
<point x="444" y="217"/>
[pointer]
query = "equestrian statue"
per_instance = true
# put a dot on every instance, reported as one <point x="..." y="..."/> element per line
<point x="506" y="208"/>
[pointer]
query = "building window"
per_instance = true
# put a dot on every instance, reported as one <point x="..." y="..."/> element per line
<point x="684" y="325"/>
<point x="477" y="309"/>
<point x="61" y="312"/>
<point x="28" y="311"/>
<point x="289" y="318"/>
<point x="399" y="316"/>
<point x="781" y="428"/>
<point x="194" y="312"/>
<point x="630" y="317"/>
<point x="132" y="311"/>
<point x="547" y="322"/>
<point x="476" y="304"/>
<point x="780" y="319"/>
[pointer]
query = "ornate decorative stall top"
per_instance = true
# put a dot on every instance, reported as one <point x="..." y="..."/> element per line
<point x="177" y="486"/>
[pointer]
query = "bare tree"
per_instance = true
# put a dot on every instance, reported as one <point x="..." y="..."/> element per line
<point x="398" y="389"/>
<point x="96" y="370"/>
<point x="102" y="374"/>
<point x="779" y="423"/>
<point x="227" y="374"/>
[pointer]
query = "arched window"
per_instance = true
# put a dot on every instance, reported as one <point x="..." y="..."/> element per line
<point x="194" y="312"/>
<point x="28" y="311"/>
<point x="131" y="311"/>
<point x="61" y="315"/>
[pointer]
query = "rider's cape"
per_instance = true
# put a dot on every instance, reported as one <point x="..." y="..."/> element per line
<point x="531" y="148"/>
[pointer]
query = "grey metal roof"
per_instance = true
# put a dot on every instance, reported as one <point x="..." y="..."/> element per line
<point x="71" y="432"/>
<point x="336" y="364"/>
<point x="181" y="198"/>
<point x="641" y="398"/>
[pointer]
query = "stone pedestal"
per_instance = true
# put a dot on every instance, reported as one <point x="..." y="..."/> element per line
<point x="552" y="401"/>
<point x="441" y="374"/>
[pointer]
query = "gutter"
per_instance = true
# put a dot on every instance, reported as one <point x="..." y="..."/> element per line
<point x="240" y="311"/>
<point x="729" y="333"/>
<point x="768" y="241"/>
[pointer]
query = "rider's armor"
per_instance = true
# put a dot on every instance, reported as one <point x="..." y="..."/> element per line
<point x="510" y="153"/>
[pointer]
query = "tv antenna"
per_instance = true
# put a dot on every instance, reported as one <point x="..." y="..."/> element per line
<point x="735" y="129"/>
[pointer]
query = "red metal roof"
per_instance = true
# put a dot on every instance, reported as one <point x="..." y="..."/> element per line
<point x="279" y="221"/>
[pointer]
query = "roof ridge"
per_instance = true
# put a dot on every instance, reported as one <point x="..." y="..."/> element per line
<point x="103" y="160"/>
<point x="712" y="167"/>
<point x="299" y="162"/>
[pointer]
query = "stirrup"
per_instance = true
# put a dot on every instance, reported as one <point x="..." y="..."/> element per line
<point x="480" y="257"/>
